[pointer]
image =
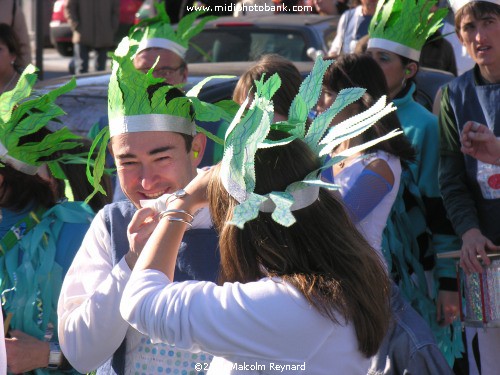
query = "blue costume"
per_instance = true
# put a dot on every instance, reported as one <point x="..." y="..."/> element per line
<point x="418" y="228"/>
<point x="470" y="188"/>
<point x="37" y="247"/>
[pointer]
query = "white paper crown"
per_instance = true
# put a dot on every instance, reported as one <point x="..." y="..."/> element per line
<point x="403" y="26"/>
<point x="132" y="107"/>
<point x="457" y="4"/>
<point x="157" y="32"/>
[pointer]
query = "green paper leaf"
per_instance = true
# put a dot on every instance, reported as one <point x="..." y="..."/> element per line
<point x="95" y="176"/>
<point x="407" y="22"/>
<point x="308" y="95"/>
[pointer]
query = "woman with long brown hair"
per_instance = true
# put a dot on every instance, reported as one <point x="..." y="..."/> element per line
<point x="300" y="289"/>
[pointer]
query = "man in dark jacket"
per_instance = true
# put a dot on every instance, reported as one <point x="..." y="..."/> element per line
<point x="94" y="24"/>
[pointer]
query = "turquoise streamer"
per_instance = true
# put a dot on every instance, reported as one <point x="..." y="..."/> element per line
<point x="31" y="279"/>
<point x="401" y="252"/>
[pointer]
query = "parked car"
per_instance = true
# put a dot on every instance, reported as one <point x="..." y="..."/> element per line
<point x="87" y="103"/>
<point x="60" y="31"/>
<point x="246" y="38"/>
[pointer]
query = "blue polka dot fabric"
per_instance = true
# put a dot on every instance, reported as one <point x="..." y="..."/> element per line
<point x="154" y="359"/>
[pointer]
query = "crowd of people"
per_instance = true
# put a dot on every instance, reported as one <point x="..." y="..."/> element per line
<point x="308" y="226"/>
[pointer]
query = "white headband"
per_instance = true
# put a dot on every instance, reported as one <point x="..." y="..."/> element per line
<point x="457" y="4"/>
<point x="302" y="199"/>
<point x="15" y="163"/>
<point x="394" y="47"/>
<point x="151" y="122"/>
<point x="162" y="43"/>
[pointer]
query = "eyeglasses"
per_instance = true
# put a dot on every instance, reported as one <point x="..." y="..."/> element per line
<point x="165" y="71"/>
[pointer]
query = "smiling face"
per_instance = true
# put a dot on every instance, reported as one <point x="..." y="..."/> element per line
<point x="150" y="164"/>
<point x="480" y="36"/>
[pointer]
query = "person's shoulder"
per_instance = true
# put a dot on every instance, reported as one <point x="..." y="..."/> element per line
<point x="121" y="208"/>
<point x="461" y="81"/>
<point x="350" y="12"/>
<point x="417" y="110"/>
<point x="71" y="212"/>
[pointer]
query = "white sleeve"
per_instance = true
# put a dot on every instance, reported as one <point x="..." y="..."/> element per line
<point x="337" y="42"/>
<point x="3" y="353"/>
<point x="90" y="326"/>
<point x="254" y="320"/>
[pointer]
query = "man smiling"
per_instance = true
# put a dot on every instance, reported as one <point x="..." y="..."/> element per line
<point x="470" y="194"/>
<point x="156" y="151"/>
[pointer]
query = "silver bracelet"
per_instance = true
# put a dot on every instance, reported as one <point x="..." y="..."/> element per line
<point x="177" y="219"/>
<point x="176" y="195"/>
<point x="173" y="211"/>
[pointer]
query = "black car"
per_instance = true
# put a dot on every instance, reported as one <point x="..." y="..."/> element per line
<point x="87" y="103"/>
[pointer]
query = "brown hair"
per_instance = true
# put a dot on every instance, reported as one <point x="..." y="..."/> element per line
<point x="322" y="254"/>
<point x="268" y="65"/>
<point x="20" y="189"/>
<point x="478" y="9"/>
<point x="356" y="70"/>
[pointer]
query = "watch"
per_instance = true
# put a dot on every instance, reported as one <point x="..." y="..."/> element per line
<point x="55" y="356"/>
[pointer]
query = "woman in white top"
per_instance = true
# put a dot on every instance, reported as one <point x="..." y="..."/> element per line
<point x="369" y="181"/>
<point x="370" y="186"/>
<point x="303" y="299"/>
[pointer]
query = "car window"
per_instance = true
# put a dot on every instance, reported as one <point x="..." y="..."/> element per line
<point x="240" y="44"/>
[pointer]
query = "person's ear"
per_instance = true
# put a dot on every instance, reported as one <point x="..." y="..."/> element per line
<point x="410" y="70"/>
<point x="198" y="148"/>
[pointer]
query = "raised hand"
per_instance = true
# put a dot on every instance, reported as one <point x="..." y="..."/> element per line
<point x="139" y="230"/>
<point x="479" y="142"/>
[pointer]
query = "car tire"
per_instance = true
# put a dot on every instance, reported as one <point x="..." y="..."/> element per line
<point x="65" y="49"/>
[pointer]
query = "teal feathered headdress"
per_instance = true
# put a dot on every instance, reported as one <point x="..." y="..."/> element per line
<point x="247" y="133"/>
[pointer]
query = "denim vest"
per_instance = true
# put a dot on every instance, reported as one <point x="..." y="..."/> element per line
<point x="409" y="346"/>
<point x="198" y="259"/>
<point x="480" y="103"/>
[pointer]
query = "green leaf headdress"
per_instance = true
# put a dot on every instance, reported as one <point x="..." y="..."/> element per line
<point x="248" y="133"/>
<point x="132" y="108"/>
<point x="157" y="32"/>
<point x="403" y="26"/>
<point x="22" y="114"/>
<point x="457" y="4"/>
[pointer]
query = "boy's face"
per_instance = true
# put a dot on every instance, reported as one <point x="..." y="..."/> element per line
<point x="481" y="39"/>
<point x="150" y="164"/>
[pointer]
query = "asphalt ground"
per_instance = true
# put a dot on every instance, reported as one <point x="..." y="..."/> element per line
<point x="54" y="65"/>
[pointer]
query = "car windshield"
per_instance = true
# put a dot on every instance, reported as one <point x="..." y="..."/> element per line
<point x="242" y="44"/>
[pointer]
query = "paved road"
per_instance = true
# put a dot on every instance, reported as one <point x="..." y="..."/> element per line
<point x="55" y="65"/>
